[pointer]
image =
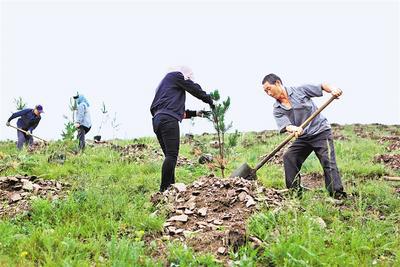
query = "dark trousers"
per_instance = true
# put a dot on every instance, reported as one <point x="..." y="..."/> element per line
<point x="82" y="131"/>
<point x="167" y="130"/>
<point x="297" y="153"/>
<point x="23" y="138"/>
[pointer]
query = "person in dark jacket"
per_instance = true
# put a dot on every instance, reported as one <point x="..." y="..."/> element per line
<point x="28" y="121"/>
<point x="292" y="107"/>
<point x="167" y="109"/>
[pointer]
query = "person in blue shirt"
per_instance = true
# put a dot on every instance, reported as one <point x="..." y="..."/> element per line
<point x="83" y="122"/>
<point x="292" y="107"/>
<point x="167" y="109"/>
<point x="28" y="121"/>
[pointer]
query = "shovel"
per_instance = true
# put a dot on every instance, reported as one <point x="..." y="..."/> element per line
<point x="25" y="132"/>
<point x="246" y="172"/>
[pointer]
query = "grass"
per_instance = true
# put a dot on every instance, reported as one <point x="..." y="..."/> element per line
<point x="105" y="216"/>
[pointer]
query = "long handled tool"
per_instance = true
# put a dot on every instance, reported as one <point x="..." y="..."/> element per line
<point x="245" y="171"/>
<point x="28" y="133"/>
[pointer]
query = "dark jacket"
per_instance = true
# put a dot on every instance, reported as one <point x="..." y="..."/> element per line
<point x="171" y="95"/>
<point x="28" y="121"/>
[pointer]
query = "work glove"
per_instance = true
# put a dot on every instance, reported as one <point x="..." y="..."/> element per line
<point x="77" y="125"/>
<point x="190" y="114"/>
<point x="28" y="133"/>
<point x="8" y="123"/>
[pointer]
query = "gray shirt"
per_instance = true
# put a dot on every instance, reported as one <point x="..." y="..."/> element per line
<point x="83" y="115"/>
<point x="302" y="108"/>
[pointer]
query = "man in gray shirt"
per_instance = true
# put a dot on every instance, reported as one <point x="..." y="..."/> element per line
<point x="292" y="107"/>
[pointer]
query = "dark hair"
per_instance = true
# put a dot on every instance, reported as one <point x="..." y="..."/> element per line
<point x="271" y="79"/>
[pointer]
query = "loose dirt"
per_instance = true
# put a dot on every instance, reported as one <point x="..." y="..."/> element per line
<point x="394" y="142"/>
<point x="390" y="160"/>
<point x="17" y="193"/>
<point x="313" y="180"/>
<point x="210" y="215"/>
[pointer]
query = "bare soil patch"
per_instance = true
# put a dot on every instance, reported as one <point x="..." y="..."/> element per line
<point x="390" y="160"/>
<point x="313" y="180"/>
<point x="210" y="215"/>
<point x="17" y="193"/>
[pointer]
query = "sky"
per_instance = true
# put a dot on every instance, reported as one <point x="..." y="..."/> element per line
<point x="118" y="52"/>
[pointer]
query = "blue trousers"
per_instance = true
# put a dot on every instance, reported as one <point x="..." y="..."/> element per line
<point x="23" y="138"/>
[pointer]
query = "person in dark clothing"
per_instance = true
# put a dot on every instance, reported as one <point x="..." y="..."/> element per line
<point x="167" y="109"/>
<point x="28" y="121"/>
<point x="292" y="107"/>
<point x="83" y="122"/>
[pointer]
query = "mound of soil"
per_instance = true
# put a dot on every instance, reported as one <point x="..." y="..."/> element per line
<point x="143" y="153"/>
<point x="183" y="161"/>
<point x="338" y="136"/>
<point x="210" y="214"/>
<point x="138" y="153"/>
<point x="336" y="126"/>
<point x="364" y="133"/>
<point x="17" y="192"/>
<point x="394" y="142"/>
<point x="390" y="160"/>
<point x="37" y="146"/>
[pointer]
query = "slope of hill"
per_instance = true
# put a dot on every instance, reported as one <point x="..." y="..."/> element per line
<point x="100" y="208"/>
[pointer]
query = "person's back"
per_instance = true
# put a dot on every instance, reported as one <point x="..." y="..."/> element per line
<point x="83" y="115"/>
<point x="83" y="122"/>
<point x="170" y="97"/>
<point x="28" y="119"/>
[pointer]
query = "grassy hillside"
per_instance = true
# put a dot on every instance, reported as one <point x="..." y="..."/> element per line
<point x="104" y="216"/>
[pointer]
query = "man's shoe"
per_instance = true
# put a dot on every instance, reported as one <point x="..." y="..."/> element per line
<point x="338" y="195"/>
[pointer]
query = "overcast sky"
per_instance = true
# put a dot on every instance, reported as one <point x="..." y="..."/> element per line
<point x="119" y="52"/>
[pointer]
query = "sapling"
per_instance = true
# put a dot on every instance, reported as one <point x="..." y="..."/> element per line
<point x="115" y="125"/>
<point x="69" y="126"/>
<point x="104" y="119"/>
<point x="218" y="119"/>
<point x="19" y="103"/>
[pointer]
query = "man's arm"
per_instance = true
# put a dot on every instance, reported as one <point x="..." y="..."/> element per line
<point x="18" y="114"/>
<point x="330" y="89"/>
<point x="34" y="126"/>
<point x="194" y="89"/>
<point x="80" y="114"/>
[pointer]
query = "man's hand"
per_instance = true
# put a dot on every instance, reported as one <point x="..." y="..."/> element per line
<point x="28" y="133"/>
<point x="77" y="125"/>
<point x="336" y="92"/>
<point x="203" y="113"/>
<point x="8" y="124"/>
<point x="294" y="129"/>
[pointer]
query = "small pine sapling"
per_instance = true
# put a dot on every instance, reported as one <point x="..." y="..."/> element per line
<point x="19" y="103"/>
<point x="69" y="126"/>
<point x="218" y="119"/>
